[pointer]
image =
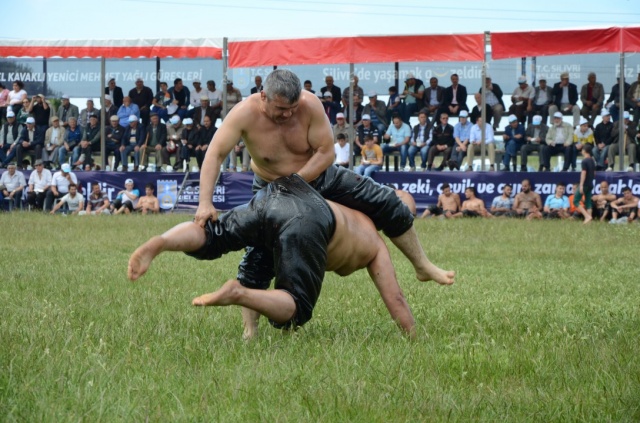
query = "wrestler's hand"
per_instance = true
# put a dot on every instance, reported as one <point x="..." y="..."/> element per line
<point x="205" y="213"/>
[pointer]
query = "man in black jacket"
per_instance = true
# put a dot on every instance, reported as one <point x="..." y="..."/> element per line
<point x="565" y="99"/>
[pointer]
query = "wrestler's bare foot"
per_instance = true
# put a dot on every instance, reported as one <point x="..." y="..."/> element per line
<point x="226" y="295"/>
<point x="142" y="257"/>
<point x="434" y="273"/>
<point x="587" y="220"/>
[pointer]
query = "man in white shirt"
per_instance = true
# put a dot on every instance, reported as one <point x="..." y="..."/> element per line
<point x="475" y="144"/>
<point x="342" y="150"/>
<point x="60" y="182"/>
<point x="73" y="200"/>
<point x="11" y="184"/>
<point x="197" y="94"/>
<point x="39" y="183"/>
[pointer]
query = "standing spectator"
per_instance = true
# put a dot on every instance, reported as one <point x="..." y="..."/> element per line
<point x="258" y="86"/>
<point x="53" y="140"/>
<point x="592" y="97"/>
<point x="163" y="103"/>
<point x="4" y="103"/>
<point x="613" y="102"/>
<point x="559" y="140"/>
<point x="67" y="111"/>
<point x="142" y="97"/>
<point x="31" y="141"/>
<point x="535" y="136"/>
<point x="73" y="200"/>
<point x="132" y="140"/>
<point x="602" y="136"/>
<point x="17" y="96"/>
<point x="357" y="91"/>
<point x="41" y="112"/>
<point x="127" y="110"/>
<point x="148" y="203"/>
<point x="72" y="138"/>
<point x="513" y="142"/>
<point x="455" y="98"/>
<point x="565" y="99"/>
<point x="39" y="183"/>
<point x="371" y="158"/>
<point x="307" y="86"/>
<point x="395" y="107"/>
<point x="9" y="137"/>
<point x="97" y="202"/>
<point x="587" y="175"/>
<point x="377" y="112"/>
<point x="542" y="96"/>
<point x="60" y="182"/>
<point x="180" y="94"/>
<point x="413" y="92"/>
<point x="342" y="150"/>
<point x="12" y="183"/>
<point x="494" y="101"/>
<point x="23" y="113"/>
<point x="114" y="92"/>
<point x="358" y="112"/>
<point x="522" y="100"/>
<point x="233" y="97"/>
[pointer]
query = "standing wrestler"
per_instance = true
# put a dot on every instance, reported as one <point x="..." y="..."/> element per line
<point x="472" y="206"/>
<point x="306" y="234"/>
<point x="286" y="131"/>
<point x="528" y="203"/>
<point x="448" y="204"/>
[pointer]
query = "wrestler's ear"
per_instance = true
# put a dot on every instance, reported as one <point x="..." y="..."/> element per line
<point x="263" y="95"/>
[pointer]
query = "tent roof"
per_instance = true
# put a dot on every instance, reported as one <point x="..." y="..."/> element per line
<point x="179" y="48"/>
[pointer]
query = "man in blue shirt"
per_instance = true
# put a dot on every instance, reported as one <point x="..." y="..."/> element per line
<point x="513" y="141"/>
<point x="557" y="206"/>
<point x="461" y="133"/>
<point x="397" y="139"/>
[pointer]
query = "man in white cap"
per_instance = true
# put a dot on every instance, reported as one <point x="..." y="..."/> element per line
<point x="461" y="133"/>
<point x="126" y="110"/>
<point x="9" y="136"/>
<point x="142" y="97"/>
<point x="331" y="108"/>
<point x="413" y="92"/>
<point x="60" y="182"/>
<point x="132" y="140"/>
<point x="341" y="127"/>
<point x="67" y="110"/>
<point x="522" y="100"/>
<point x="559" y="140"/>
<point x="115" y="92"/>
<point x="565" y="99"/>
<point x="12" y="183"/>
<point x="536" y="138"/>
<point x="114" y="134"/>
<point x="201" y="110"/>
<point x="582" y="135"/>
<point x="110" y="109"/>
<point x="377" y="111"/>
<point x="592" y="97"/>
<point x="494" y="101"/>
<point x="31" y="141"/>
<point x="629" y="141"/>
<point x="513" y="142"/>
<point x="602" y="136"/>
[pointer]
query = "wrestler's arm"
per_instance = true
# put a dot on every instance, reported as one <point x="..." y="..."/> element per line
<point x="383" y="274"/>
<point x="225" y="138"/>
<point x="320" y="138"/>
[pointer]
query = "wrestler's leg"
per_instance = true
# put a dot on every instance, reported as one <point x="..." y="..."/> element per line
<point x="276" y="304"/>
<point x="186" y="237"/>
<point x="410" y="246"/>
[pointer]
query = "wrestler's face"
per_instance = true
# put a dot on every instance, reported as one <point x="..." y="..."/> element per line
<point x="446" y="192"/>
<point x="468" y="193"/>
<point x="604" y="188"/>
<point x="279" y="109"/>
<point x="627" y="195"/>
<point x="148" y="191"/>
<point x="526" y="186"/>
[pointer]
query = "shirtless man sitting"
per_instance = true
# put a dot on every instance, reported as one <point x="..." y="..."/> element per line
<point x="602" y="202"/>
<point x="448" y="204"/>
<point x="148" y="203"/>
<point x="286" y="131"/>
<point x="306" y="235"/>
<point x="625" y="208"/>
<point x="528" y="203"/>
<point x="472" y="206"/>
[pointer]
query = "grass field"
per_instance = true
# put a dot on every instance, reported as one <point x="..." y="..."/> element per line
<point x="542" y="325"/>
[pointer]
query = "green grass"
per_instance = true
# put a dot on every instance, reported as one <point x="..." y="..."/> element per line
<point x="542" y="325"/>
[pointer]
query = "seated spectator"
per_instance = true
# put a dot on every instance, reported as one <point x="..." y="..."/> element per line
<point x="73" y="200"/>
<point x="542" y="96"/>
<point x="72" y="138"/>
<point x="205" y="135"/>
<point x="494" y="101"/>
<point x="4" y="102"/>
<point x="420" y="137"/>
<point x="189" y="141"/>
<point x="454" y="99"/>
<point x="341" y="126"/>
<point x="475" y="144"/>
<point x="97" y="202"/>
<point x="113" y="140"/>
<point x="602" y="202"/>
<point x="395" y="107"/>
<point x="203" y="109"/>
<point x="308" y="86"/>
<point x="556" y="206"/>
<point x="114" y="92"/>
<point x="502" y="205"/>
<point x="634" y="97"/>
<point x="357" y="91"/>
<point x="234" y="96"/>
<point x="624" y="209"/>
<point x="472" y="206"/>
<point x="602" y="137"/>
<point x="442" y="142"/>
<point x="23" y="112"/>
<point x="522" y="100"/>
<point x="172" y="145"/>
<point x="331" y="108"/>
<point x="110" y="109"/>
<point x="182" y="95"/>
<point x="613" y="102"/>
<point x="12" y="183"/>
<point x="396" y="139"/>
<point x="215" y="98"/>
<point x="527" y="203"/>
<point x="148" y="203"/>
<point x="53" y="140"/>
<point x="163" y="103"/>
<point x="433" y="96"/>
<point x="448" y="204"/>
<point x="197" y="96"/>
<point x="629" y="140"/>
<point x="565" y="97"/>
<point x="358" y="111"/>
<point x="363" y="130"/>
<point x="127" y="110"/>
<point x="592" y="97"/>
<point x="132" y="141"/>
<point x="535" y="136"/>
<point x="67" y="111"/>
<point x="461" y="134"/>
<point x="239" y="151"/>
<point x="476" y="112"/>
<point x="60" y="182"/>
<point x="86" y="113"/>
<point x="342" y="151"/>
<point x="514" y="139"/>
<point x="39" y="183"/>
<point x="371" y="158"/>
<point x="413" y="94"/>
<point x="9" y="138"/>
<point x="377" y="112"/>
<point x="155" y="141"/>
<point x="573" y="209"/>
<point x="30" y="141"/>
<point x="559" y="140"/>
<point x="90" y="143"/>
<point x="581" y="136"/>
<point x="126" y="200"/>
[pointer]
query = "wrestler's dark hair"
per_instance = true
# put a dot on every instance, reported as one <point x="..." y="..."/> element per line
<point x="149" y="186"/>
<point x="473" y="190"/>
<point x="625" y="189"/>
<point x="283" y="83"/>
<point x="446" y="185"/>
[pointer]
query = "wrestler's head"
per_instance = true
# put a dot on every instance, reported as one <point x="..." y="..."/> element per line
<point x="280" y="95"/>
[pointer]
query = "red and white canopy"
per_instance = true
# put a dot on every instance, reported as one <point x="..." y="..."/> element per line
<point x="178" y="48"/>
